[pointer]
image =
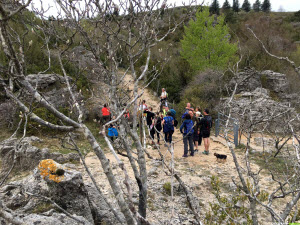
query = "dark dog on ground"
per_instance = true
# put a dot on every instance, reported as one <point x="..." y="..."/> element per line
<point x="220" y="157"/>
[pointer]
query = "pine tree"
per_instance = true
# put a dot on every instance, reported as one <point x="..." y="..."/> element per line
<point x="266" y="6"/>
<point x="246" y="6"/>
<point x="215" y="7"/>
<point x="236" y="6"/>
<point x="256" y="6"/>
<point x="226" y="5"/>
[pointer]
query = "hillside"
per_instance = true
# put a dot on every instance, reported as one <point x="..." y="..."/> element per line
<point x="74" y="145"/>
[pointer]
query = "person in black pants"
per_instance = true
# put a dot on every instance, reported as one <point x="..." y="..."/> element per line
<point x="156" y="128"/>
<point x="168" y="123"/>
<point x="206" y="124"/>
<point x="150" y="119"/>
<point x="188" y="135"/>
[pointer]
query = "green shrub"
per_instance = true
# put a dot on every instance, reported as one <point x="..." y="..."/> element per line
<point x="167" y="188"/>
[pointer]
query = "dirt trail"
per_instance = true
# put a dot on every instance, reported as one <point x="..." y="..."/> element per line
<point x="195" y="171"/>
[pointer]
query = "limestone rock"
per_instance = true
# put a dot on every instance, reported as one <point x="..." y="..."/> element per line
<point x="250" y="79"/>
<point x="70" y="194"/>
<point x="28" y="156"/>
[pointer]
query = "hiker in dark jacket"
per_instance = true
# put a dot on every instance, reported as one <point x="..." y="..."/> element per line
<point x="197" y="133"/>
<point x="206" y="124"/>
<point x="156" y="128"/>
<point x="168" y="125"/>
<point x="187" y="129"/>
<point x="150" y="116"/>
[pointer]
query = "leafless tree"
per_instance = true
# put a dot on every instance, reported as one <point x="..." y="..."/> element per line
<point x="279" y="123"/>
<point x="112" y="32"/>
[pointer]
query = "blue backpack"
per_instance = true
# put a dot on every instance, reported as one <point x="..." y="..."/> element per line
<point x="173" y="112"/>
<point x="189" y="127"/>
<point x="168" y="126"/>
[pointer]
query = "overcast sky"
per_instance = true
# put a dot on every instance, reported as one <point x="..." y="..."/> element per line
<point x="287" y="5"/>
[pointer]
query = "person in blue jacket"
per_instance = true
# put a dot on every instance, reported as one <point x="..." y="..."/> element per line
<point x="112" y="132"/>
<point x="168" y="127"/>
<point x="187" y="129"/>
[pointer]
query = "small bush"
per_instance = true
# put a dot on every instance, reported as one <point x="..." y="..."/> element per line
<point x="167" y="188"/>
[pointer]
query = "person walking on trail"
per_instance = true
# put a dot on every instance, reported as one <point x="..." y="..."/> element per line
<point x="168" y="126"/>
<point x="165" y="110"/>
<point x="156" y="128"/>
<point x="163" y="98"/>
<point x="197" y="133"/>
<point x="112" y="132"/>
<point x="187" y="129"/>
<point x="143" y="106"/>
<point x="149" y="116"/>
<point x="105" y="114"/>
<point x="149" y="119"/>
<point x="206" y="124"/>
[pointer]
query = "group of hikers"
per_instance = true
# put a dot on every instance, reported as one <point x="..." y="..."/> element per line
<point x="195" y="126"/>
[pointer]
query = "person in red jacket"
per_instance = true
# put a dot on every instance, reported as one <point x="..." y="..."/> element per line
<point x="105" y="114"/>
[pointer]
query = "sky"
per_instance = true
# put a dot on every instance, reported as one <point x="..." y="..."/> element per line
<point x="287" y="5"/>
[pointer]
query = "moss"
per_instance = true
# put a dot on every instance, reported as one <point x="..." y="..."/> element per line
<point x="167" y="188"/>
<point x="42" y="207"/>
<point x="34" y="128"/>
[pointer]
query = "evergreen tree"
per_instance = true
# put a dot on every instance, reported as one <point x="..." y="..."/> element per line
<point x="215" y="7"/>
<point x="206" y="44"/>
<point x="246" y="6"/>
<point x="256" y="6"/>
<point x="236" y="6"/>
<point x="266" y="6"/>
<point x="226" y="5"/>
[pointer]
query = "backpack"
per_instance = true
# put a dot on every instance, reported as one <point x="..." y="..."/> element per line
<point x="189" y="127"/>
<point x="168" y="126"/>
<point x="173" y="112"/>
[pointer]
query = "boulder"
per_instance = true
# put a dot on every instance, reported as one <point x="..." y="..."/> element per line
<point x="258" y="106"/>
<point x="250" y="79"/>
<point x="277" y="82"/>
<point x="28" y="156"/>
<point x="51" y="86"/>
<point x="69" y="193"/>
<point x="85" y="59"/>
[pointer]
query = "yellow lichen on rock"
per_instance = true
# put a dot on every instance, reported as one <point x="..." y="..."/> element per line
<point x="48" y="169"/>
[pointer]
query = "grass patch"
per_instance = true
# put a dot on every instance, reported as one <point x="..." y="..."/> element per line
<point x="167" y="188"/>
<point x="277" y="165"/>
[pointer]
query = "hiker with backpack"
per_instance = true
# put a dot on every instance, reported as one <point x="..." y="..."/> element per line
<point x="168" y="127"/>
<point x="206" y="124"/>
<point x="187" y="129"/>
